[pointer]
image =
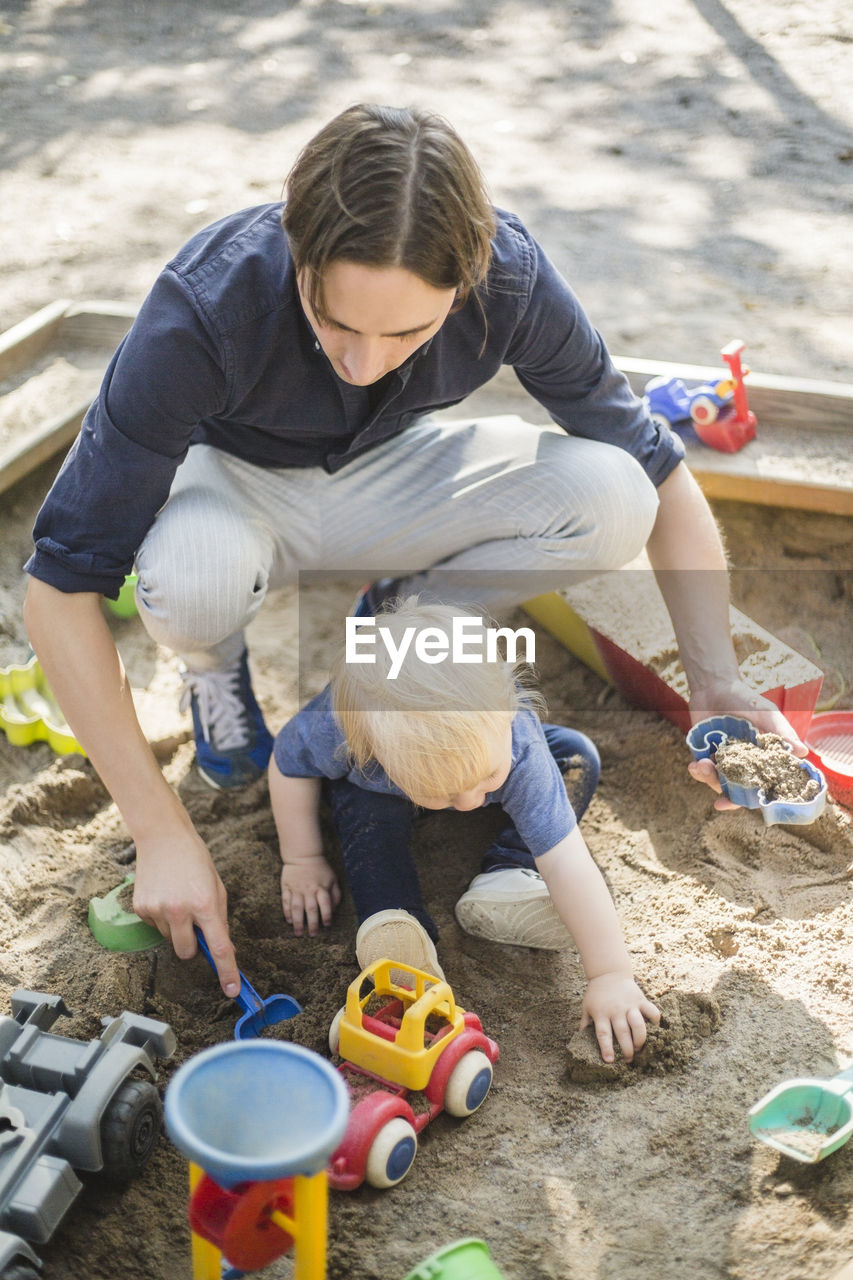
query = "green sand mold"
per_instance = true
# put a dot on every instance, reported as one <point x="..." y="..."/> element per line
<point x="117" y="929"/>
<point x="467" y="1259"/>
<point x="125" y="605"/>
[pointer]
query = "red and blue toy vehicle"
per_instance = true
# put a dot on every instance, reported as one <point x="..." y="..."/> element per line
<point x="717" y="411"/>
<point x="408" y="1053"/>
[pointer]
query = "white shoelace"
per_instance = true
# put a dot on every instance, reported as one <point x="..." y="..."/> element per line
<point x="220" y="710"/>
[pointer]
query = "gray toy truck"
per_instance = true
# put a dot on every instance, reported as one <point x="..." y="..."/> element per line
<point x="64" y="1105"/>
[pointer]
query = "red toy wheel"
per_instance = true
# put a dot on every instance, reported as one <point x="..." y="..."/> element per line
<point x="392" y="1154"/>
<point x="238" y="1222"/>
<point x="704" y="410"/>
<point x="468" y="1084"/>
<point x="335" y="1031"/>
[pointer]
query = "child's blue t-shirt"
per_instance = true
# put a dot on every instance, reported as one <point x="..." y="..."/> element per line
<point x="312" y="745"/>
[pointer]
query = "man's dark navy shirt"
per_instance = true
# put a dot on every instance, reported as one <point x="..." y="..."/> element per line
<point x="221" y="353"/>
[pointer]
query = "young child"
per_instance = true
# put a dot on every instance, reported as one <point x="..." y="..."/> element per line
<point x="436" y="736"/>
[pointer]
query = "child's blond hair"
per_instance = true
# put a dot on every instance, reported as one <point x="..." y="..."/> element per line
<point x="433" y="727"/>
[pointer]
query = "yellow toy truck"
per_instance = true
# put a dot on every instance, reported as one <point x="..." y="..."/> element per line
<point x="395" y="1041"/>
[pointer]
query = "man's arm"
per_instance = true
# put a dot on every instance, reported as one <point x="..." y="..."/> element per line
<point x="176" y="882"/>
<point x="687" y="555"/>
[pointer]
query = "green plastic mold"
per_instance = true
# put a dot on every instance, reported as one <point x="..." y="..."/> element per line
<point x="125" y="605"/>
<point x="117" y="929"/>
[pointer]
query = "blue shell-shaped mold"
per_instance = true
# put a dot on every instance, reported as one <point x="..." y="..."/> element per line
<point x="703" y="740"/>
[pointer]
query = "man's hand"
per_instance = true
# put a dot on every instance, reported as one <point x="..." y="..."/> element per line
<point x="736" y="698"/>
<point x="177" y="886"/>
<point x="309" y="893"/>
<point x="615" y="1005"/>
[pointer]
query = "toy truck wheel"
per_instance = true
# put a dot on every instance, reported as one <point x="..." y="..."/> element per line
<point x="468" y="1083"/>
<point x="391" y="1155"/>
<point x="335" y="1031"/>
<point x="704" y="410"/>
<point x="660" y="420"/>
<point x="130" y="1128"/>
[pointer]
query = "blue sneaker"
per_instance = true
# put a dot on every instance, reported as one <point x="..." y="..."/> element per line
<point x="233" y="745"/>
<point x="371" y="598"/>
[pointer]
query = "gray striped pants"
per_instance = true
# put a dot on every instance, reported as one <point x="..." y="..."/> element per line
<point x="490" y="512"/>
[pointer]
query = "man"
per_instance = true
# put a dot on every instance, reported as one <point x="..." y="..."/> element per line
<point x="269" y="412"/>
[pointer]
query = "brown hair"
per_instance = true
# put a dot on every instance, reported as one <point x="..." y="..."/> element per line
<point x="389" y="187"/>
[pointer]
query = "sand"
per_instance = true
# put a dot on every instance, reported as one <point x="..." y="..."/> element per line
<point x="688" y="168"/>
<point x="767" y="765"/>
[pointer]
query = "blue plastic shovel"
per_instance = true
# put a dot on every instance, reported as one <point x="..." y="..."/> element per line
<point x="807" y="1119"/>
<point x="257" y="1013"/>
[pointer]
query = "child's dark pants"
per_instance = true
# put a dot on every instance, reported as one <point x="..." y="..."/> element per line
<point x="375" y="832"/>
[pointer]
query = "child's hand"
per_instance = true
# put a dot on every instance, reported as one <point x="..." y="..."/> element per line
<point x="309" y="892"/>
<point x="616" y="1005"/>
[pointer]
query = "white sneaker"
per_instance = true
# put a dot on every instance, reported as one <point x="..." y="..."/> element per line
<point x="397" y="935"/>
<point x="512" y="906"/>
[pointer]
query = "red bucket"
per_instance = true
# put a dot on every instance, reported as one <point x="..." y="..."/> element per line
<point x="830" y="741"/>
